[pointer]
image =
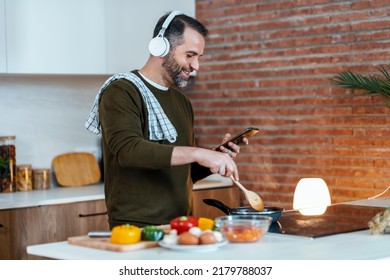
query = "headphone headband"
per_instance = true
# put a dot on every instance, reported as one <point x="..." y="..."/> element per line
<point x="168" y="21"/>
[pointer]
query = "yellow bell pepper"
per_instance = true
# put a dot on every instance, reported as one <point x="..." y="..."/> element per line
<point x="205" y="223"/>
<point x="125" y="234"/>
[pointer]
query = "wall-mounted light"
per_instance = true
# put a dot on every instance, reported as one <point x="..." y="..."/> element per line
<point x="311" y="196"/>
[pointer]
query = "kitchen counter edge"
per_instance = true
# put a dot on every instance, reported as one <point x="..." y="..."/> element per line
<point x="60" y="195"/>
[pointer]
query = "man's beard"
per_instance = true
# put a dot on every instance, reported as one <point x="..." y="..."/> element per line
<point x="174" y="71"/>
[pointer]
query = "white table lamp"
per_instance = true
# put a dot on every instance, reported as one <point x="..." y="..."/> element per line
<point x="311" y="196"/>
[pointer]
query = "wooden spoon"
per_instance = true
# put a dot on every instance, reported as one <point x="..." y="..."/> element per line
<point x="253" y="198"/>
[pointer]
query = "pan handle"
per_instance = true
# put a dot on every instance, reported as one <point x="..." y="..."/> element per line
<point x="216" y="203"/>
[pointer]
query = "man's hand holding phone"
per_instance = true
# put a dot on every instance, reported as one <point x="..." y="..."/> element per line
<point x="240" y="139"/>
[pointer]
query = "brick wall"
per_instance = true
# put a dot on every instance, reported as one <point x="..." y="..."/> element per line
<point x="267" y="65"/>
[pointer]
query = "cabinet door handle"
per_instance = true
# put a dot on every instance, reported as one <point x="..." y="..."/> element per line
<point x="1" y="226"/>
<point x="92" y="214"/>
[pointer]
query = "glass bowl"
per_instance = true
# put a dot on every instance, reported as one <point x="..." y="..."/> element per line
<point x="243" y="228"/>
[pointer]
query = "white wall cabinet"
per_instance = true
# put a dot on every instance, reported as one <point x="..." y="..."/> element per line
<point x="3" y="52"/>
<point x="56" y="36"/>
<point x="79" y="36"/>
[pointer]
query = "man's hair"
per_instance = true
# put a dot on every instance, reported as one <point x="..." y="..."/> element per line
<point x="175" y="30"/>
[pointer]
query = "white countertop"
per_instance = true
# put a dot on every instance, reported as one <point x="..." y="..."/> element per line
<point x="59" y="195"/>
<point x="359" y="245"/>
<point x="273" y="246"/>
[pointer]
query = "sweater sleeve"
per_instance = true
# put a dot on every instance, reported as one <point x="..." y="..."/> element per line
<point x="199" y="172"/>
<point x="123" y="118"/>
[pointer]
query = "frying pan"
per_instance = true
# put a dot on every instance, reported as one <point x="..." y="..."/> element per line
<point x="273" y="212"/>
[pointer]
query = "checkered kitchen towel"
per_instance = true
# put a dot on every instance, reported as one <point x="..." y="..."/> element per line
<point x="160" y="127"/>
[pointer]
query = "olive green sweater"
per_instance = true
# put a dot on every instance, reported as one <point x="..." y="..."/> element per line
<point x="141" y="187"/>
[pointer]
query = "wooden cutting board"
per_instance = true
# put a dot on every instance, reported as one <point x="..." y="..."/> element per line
<point x="76" y="169"/>
<point x="104" y="243"/>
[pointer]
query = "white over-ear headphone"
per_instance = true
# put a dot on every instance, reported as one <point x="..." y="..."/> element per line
<point x="159" y="45"/>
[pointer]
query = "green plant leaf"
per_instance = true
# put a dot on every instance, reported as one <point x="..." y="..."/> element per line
<point x="376" y="84"/>
<point x="4" y="163"/>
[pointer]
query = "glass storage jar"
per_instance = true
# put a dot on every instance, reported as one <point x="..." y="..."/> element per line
<point x="41" y="179"/>
<point x="23" y="177"/>
<point x="7" y="164"/>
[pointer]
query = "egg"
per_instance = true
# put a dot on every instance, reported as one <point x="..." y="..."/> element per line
<point x="207" y="238"/>
<point x="170" y="239"/>
<point x="195" y="231"/>
<point x="218" y="236"/>
<point x="187" y="238"/>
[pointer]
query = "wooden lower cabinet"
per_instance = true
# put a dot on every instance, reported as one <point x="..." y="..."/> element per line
<point x="43" y="224"/>
<point x="89" y="217"/>
<point x="230" y="196"/>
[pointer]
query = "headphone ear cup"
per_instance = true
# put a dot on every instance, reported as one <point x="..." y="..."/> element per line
<point x="167" y="47"/>
<point x="159" y="46"/>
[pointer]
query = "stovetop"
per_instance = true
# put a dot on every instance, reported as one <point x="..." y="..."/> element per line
<point x="340" y="218"/>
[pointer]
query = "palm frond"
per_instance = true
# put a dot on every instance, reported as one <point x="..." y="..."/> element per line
<point x="385" y="74"/>
<point x="372" y="84"/>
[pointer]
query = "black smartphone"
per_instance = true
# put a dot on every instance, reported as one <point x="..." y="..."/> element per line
<point x="238" y="138"/>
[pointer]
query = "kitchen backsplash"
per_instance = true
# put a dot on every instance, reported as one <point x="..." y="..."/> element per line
<point x="47" y="115"/>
